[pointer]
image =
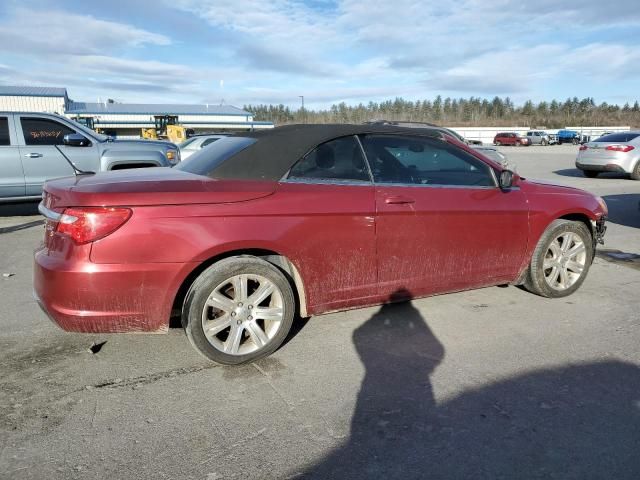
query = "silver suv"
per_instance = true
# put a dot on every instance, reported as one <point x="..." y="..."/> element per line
<point x="35" y="147"/>
<point x="540" y="137"/>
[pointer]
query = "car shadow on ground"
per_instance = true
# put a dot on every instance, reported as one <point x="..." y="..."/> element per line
<point x="575" y="421"/>
<point x="21" y="209"/>
<point x="574" y="172"/>
<point x="624" y="209"/>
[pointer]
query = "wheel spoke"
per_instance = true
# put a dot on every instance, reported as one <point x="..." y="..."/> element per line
<point x="233" y="341"/>
<point x="555" y="248"/>
<point x="219" y="301"/>
<point x="575" y="267"/>
<point x="268" y="313"/>
<point x="258" y="335"/>
<point x="553" y="275"/>
<point x="567" y="239"/>
<point x="549" y="263"/>
<point x="564" y="278"/>
<point x="265" y="289"/>
<point x="239" y="283"/>
<point x="215" y="326"/>
<point x="577" y="249"/>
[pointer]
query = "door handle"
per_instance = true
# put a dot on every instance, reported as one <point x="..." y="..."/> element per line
<point x="33" y="155"/>
<point x="398" y="200"/>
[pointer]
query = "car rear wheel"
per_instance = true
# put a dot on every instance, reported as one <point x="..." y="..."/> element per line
<point x="561" y="260"/>
<point x="635" y="173"/>
<point x="238" y="310"/>
<point x="544" y="142"/>
<point x="590" y="173"/>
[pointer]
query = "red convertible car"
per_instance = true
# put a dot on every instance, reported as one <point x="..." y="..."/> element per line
<point x="303" y="219"/>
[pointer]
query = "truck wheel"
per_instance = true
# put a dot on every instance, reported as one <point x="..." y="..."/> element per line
<point x="543" y="143"/>
<point x="238" y="310"/>
<point x="575" y="141"/>
<point x="561" y="260"/>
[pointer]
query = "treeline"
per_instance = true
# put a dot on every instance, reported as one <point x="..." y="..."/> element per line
<point x="461" y="112"/>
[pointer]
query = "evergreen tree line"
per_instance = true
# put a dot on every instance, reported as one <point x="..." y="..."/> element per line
<point x="461" y="112"/>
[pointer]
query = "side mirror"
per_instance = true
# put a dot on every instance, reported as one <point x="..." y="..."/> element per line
<point x="76" y="140"/>
<point x="506" y="179"/>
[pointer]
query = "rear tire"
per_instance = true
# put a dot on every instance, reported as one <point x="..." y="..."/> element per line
<point x="238" y="310"/>
<point x="590" y="173"/>
<point x="635" y="173"/>
<point x="544" y="143"/>
<point x="561" y="260"/>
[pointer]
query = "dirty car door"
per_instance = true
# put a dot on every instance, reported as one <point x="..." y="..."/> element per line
<point x="328" y="197"/>
<point x="442" y="223"/>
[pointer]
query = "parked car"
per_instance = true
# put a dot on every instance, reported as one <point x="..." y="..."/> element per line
<point x="510" y="138"/>
<point x="571" y="136"/>
<point x="539" y="137"/>
<point x="616" y="152"/>
<point x="196" y="142"/>
<point x="34" y="147"/>
<point x="409" y="124"/>
<point x="301" y="218"/>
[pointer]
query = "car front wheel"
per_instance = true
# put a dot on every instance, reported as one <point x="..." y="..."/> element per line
<point x="561" y="259"/>
<point x="238" y="310"/>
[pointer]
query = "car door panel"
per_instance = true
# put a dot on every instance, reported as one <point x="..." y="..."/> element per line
<point x="11" y="173"/>
<point x="442" y="223"/>
<point x="333" y="230"/>
<point x="42" y="162"/>
<point x="449" y="239"/>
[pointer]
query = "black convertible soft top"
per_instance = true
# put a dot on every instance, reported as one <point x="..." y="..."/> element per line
<point x="277" y="150"/>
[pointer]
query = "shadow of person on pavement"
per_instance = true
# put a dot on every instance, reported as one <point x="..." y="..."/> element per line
<point x="579" y="421"/>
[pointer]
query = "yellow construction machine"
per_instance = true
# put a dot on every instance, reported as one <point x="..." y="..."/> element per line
<point x="167" y="128"/>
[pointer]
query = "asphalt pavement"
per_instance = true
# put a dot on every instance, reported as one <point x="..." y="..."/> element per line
<point x="491" y="383"/>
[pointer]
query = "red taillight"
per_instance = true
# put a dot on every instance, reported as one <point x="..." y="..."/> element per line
<point x="87" y="224"/>
<point x="583" y="148"/>
<point x="619" y="148"/>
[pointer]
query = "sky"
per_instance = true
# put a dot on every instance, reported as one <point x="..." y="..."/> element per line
<point x="241" y="52"/>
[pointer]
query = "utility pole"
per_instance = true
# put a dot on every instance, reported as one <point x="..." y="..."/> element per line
<point x="304" y="116"/>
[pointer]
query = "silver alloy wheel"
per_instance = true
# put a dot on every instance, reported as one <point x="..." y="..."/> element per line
<point x="242" y="314"/>
<point x="564" y="261"/>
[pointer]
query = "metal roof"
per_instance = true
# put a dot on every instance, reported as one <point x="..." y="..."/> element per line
<point x="153" y="109"/>
<point x="8" y="90"/>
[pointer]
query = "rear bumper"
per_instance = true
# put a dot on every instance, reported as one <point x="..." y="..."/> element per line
<point x="609" y="167"/>
<point x="80" y="296"/>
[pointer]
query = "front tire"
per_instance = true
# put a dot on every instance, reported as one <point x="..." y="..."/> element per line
<point x="544" y="143"/>
<point x="238" y="310"/>
<point x="561" y="260"/>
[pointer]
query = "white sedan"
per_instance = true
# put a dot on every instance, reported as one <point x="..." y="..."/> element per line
<point x="196" y="143"/>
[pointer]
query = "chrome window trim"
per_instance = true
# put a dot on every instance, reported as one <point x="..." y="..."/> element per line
<point x="328" y="181"/>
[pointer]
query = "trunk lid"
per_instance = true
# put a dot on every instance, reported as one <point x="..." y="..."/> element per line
<point x="150" y="186"/>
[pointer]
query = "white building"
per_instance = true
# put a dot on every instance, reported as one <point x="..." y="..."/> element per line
<point x="126" y="119"/>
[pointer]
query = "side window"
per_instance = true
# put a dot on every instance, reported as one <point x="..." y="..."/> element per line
<point x="207" y="142"/>
<point x="339" y="159"/>
<point x="42" y="131"/>
<point x="4" y="132"/>
<point x="423" y="161"/>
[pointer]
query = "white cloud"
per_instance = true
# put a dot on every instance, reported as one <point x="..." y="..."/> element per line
<point x="55" y="32"/>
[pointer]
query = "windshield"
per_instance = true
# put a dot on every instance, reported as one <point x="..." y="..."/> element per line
<point x="187" y="142"/>
<point x="204" y="161"/>
<point x="618" y="137"/>
<point x="92" y="133"/>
